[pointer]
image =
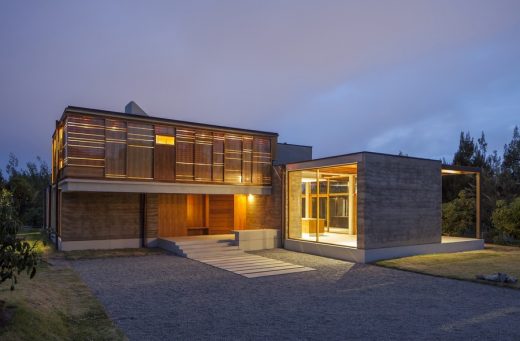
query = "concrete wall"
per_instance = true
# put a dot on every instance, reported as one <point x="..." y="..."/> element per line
<point x="287" y="153"/>
<point x="98" y="216"/>
<point x="399" y="201"/>
<point x="294" y="204"/>
<point x="265" y="211"/>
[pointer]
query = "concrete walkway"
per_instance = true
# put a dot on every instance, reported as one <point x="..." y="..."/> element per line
<point x="166" y="297"/>
<point x="219" y="251"/>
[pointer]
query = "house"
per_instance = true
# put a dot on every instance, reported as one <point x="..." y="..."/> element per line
<point x="127" y="180"/>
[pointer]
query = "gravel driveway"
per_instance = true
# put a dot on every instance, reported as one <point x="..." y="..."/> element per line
<point x="164" y="297"/>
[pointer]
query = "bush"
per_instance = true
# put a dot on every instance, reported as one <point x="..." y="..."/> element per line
<point x="506" y="218"/>
<point x="16" y="255"/>
<point x="458" y="215"/>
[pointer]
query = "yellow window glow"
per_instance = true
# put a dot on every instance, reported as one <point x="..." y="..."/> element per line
<point x="163" y="139"/>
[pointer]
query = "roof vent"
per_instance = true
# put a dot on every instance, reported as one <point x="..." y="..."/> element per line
<point x="134" y="109"/>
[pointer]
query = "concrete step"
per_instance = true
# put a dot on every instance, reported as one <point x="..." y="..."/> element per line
<point x="207" y="247"/>
<point x="203" y="241"/>
<point x="210" y="253"/>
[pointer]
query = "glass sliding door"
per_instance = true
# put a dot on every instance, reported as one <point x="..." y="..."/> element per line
<point x="322" y="205"/>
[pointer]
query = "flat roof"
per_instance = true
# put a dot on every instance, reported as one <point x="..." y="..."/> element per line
<point x="455" y="169"/>
<point x="107" y="113"/>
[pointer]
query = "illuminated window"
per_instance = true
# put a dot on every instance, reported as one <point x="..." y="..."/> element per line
<point x="163" y="139"/>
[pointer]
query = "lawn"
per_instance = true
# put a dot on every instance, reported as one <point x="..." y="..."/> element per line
<point x="54" y="305"/>
<point x="464" y="265"/>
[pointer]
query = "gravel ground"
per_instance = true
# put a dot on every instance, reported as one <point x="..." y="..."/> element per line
<point x="164" y="297"/>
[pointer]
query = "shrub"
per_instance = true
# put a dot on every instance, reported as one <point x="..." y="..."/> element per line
<point x="506" y="218"/>
<point x="458" y="215"/>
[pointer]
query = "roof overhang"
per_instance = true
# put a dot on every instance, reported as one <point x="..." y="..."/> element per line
<point x="115" y="186"/>
<point x="458" y="170"/>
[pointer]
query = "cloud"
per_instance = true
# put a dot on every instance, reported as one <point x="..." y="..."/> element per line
<point x="340" y="75"/>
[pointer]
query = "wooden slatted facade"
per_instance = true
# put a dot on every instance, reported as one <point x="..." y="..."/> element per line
<point x="100" y="148"/>
<point x="88" y="146"/>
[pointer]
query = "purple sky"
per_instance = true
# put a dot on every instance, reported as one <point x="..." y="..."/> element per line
<point x="343" y="76"/>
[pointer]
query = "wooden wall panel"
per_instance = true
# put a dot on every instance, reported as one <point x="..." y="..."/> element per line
<point x="184" y="155"/>
<point x="140" y="151"/>
<point x="261" y="161"/>
<point x="218" y="157"/>
<point x="240" y="206"/>
<point x="203" y="156"/>
<point x="172" y="215"/>
<point x="221" y="213"/>
<point x="115" y="149"/>
<point x="233" y="159"/>
<point x="195" y="210"/>
<point x="247" y="158"/>
<point x="85" y="144"/>
<point x="164" y="162"/>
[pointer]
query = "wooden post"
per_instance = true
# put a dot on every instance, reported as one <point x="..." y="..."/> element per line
<point x="351" y="204"/>
<point x="477" y="204"/>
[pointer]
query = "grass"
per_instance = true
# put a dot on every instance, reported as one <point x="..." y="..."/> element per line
<point x="464" y="265"/>
<point x="54" y="305"/>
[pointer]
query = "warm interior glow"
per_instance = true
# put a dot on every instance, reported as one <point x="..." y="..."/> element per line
<point x="250" y="198"/>
<point x="163" y="139"/>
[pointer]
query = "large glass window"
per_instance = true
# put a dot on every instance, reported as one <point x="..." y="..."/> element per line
<point x="322" y="205"/>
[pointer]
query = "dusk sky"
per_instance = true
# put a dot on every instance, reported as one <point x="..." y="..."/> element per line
<point x="342" y="76"/>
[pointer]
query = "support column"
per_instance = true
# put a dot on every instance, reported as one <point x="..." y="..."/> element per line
<point x="351" y="189"/>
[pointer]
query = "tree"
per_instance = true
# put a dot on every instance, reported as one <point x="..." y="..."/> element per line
<point x="464" y="155"/>
<point x="506" y="218"/>
<point x="509" y="178"/>
<point x="28" y="188"/>
<point x="16" y="255"/>
<point x="458" y="215"/>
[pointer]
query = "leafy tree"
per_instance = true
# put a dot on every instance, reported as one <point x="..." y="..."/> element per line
<point x="28" y="188"/>
<point x="506" y="218"/>
<point x="458" y="215"/>
<point x="16" y="255"/>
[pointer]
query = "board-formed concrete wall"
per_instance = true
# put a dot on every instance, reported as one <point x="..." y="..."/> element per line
<point x="265" y="211"/>
<point x="399" y="201"/>
<point x="98" y="216"/>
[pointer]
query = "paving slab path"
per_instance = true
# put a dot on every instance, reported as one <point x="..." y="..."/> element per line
<point x="165" y="297"/>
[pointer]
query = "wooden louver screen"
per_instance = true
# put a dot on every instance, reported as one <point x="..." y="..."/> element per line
<point x="115" y="149"/>
<point x="184" y="154"/>
<point x="94" y="147"/>
<point x="85" y="146"/>
<point x="140" y="150"/>
<point x="203" y="156"/>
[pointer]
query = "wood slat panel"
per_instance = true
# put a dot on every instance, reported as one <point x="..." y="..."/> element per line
<point x="139" y="164"/>
<point x="172" y="215"/>
<point x="164" y="162"/>
<point x="115" y="162"/>
<point x="203" y="156"/>
<point x="261" y="161"/>
<point x="233" y="159"/>
<point x="221" y="213"/>
<point x="240" y="204"/>
<point x="247" y="159"/>
<point x="195" y="210"/>
<point x="184" y="155"/>
<point x="218" y="157"/>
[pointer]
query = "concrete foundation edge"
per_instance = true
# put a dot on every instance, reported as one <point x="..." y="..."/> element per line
<point x="104" y="244"/>
<point x="373" y="255"/>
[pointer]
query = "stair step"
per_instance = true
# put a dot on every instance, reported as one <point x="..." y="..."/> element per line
<point x="209" y="246"/>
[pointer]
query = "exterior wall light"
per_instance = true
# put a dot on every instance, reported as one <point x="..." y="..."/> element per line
<point x="250" y="198"/>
